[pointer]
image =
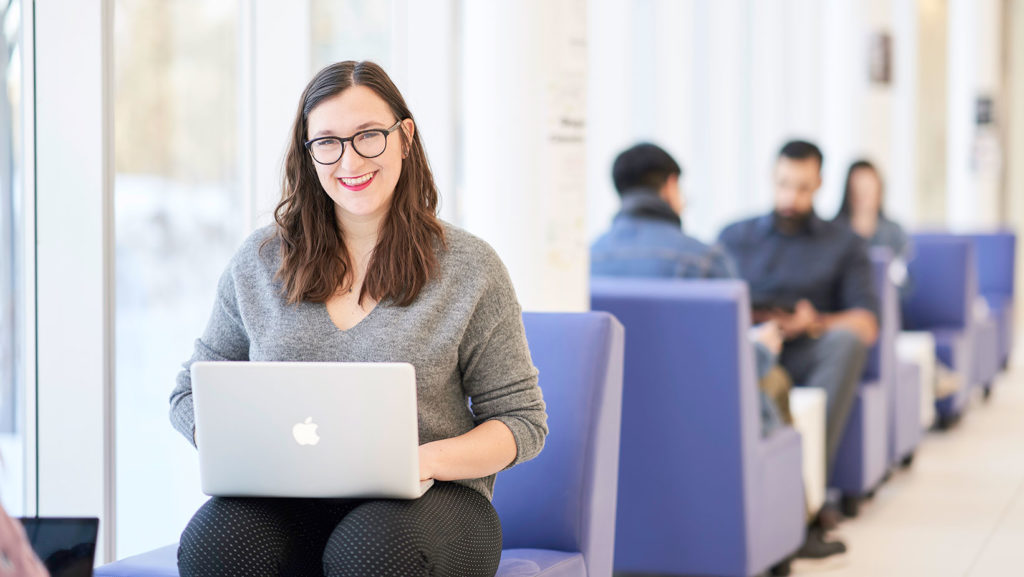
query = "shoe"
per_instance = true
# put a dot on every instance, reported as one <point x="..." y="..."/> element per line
<point x="828" y="517"/>
<point x="816" y="547"/>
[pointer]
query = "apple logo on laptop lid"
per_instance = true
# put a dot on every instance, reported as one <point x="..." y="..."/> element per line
<point x="305" y="432"/>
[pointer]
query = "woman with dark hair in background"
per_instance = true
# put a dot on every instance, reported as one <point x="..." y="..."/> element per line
<point x="864" y="211"/>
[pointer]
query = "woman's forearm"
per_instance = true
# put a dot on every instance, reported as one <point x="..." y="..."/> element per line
<point x="483" y="451"/>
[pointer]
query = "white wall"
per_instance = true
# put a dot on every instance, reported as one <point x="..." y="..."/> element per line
<point x="902" y="181"/>
<point x="428" y="79"/>
<point x="523" y="148"/>
<point x="610" y="96"/>
<point x="1014" y="191"/>
<point x="275" y="69"/>
<point x="74" y="263"/>
<point x="722" y="85"/>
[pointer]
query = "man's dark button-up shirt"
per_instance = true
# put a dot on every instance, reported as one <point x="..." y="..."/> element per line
<point x="825" y="263"/>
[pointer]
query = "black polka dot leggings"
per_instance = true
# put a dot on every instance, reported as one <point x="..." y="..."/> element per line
<point x="452" y="530"/>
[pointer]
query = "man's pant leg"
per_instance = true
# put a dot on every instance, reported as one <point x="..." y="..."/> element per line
<point x="833" y="362"/>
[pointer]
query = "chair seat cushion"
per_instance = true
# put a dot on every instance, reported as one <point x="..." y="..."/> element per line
<point x="163" y="562"/>
<point x="540" y="563"/>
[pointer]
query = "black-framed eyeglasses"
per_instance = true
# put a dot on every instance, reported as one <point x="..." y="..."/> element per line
<point x="367" y="143"/>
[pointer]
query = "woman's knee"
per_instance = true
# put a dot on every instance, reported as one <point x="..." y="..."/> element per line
<point x="233" y="537"/>
<point x="452" y="531"/>
<point x="379" y="538"/>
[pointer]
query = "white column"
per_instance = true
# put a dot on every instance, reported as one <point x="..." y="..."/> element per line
<point x="716" y="176"/>
<point x="804" y="67"/>
<point x="74" y="195"/>
<point x="931" y="111"/>
<point x="609" y="105"/>
<point x="1015" y="145"/>
<point x="987" y="148"/>
<point x="28" y="259"/>
<point x="844" y="95"/>
<point x="524" y="67"/>
<point x="769" y="127"/>
<point x="672" y="88"/>
<point x="275" y="68"/>
<point x="425" y="66"/>
<point x="901" y="189"/>
<point x="961" y="86"/>
<point x="974" y="151"/>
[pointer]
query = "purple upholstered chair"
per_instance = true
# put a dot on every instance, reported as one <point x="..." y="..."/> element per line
<point x="700" y="491"/>
<point x="863" y="456"/>
<point x="903" y="384"/>
<point x="945" y="284"/>
<point x="558" y="510"/>
<point x="996" y="266"/>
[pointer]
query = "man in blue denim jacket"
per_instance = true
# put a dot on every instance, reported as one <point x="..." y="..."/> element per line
<point x="646" y="237"/>
<point x="646" y="240"/>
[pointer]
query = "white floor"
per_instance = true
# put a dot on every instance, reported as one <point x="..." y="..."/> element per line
<point x="958" y="511"/>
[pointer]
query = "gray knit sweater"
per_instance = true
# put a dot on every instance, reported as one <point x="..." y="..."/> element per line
<point x="463" y="333"/>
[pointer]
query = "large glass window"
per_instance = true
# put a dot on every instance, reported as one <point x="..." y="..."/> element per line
<point x="351" y="30"/>
<point x="13" y="197"/>
<point x="180" y="215"/>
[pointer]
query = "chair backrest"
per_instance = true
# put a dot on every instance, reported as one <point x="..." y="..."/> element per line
<point x="690" y="417"/>
<point x="945" y="284"/>
<point x="996" y="262"/>
<point x="564" y="499"/>
<point x="881" y="362"/>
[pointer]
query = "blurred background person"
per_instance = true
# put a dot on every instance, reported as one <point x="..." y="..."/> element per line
<point x="863" y="210"/>
<point x="17" y="558"/>
<point x="814" y="279"/>
<point x="646" y="239"/>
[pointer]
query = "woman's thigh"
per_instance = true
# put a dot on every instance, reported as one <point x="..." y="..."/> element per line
<point x="452" y="530"/>
<point x="254" y="537"/>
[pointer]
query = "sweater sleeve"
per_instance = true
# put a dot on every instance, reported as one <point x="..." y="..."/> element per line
<point x="224" y="339"/>
<point x="497" y="372"/>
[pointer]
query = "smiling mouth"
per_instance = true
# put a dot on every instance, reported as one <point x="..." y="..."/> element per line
<point x="358" y="182"/>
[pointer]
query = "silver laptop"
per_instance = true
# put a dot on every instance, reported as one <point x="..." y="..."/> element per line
<point x="328" y="430"/>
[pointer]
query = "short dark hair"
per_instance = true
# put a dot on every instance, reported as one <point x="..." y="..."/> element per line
<point x="802" y="150"/>
<point x="645" y="165"/>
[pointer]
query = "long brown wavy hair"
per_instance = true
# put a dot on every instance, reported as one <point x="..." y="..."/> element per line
<point x="846" y="208"/>
<point x="314" y="259"/>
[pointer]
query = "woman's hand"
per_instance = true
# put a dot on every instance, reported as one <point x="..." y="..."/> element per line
<point x="483" y="451"/>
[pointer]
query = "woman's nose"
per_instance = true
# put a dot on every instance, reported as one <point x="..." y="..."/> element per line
<point x="349" y="160"/>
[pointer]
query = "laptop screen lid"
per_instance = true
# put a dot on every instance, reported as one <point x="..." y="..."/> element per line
<point x="66" y="546"/>
<point x="327" y="430"/>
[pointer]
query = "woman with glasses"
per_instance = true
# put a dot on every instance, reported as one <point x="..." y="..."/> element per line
<point x="358" y="267"/>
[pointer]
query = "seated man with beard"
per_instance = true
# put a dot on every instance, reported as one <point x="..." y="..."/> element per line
<point x="814" y="279"/>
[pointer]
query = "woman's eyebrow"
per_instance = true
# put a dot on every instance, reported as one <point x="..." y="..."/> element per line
<point x="370" y="124"/>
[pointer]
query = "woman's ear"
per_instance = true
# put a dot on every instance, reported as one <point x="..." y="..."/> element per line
<point x="408" y="130"/>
